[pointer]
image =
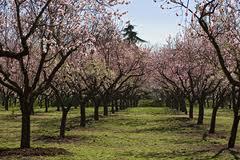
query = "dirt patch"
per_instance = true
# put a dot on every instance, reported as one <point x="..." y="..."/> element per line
<point x="33" y="152"/>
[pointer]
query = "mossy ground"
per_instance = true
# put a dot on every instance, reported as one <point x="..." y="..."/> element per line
<point x="133" y="134"/>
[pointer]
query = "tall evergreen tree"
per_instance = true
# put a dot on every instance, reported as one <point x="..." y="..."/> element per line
<point x="130" y="35"/>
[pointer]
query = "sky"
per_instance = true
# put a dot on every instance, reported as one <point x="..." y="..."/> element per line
<point x="151" y="22"/>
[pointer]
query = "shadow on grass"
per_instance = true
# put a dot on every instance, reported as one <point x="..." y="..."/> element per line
<point x="181" y="119"/>
<point x="11" y="117"/>
<point x="197" y="152"/>
<point x="4" y="152"/>
<point x="74" y="122"/>
<point x="165" y="155"/>
<point x="218" y="134"/>
<point x="67" y="139"/>
<point x="173" y="120"/>
<point x="234" y="152"/>
<point x="178" y="124"/>
<point x="161" y="129"/>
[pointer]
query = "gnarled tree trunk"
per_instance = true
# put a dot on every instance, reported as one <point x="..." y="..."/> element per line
<point x="63" y="123"/>
<point x="46" y="103"/>
<point x="200" y="112"/>
<point x="113" y="107"/>
<point x="232" y="139"/>
<point x="191" y="105"/>
<point x="96" y="109"/>
<point x="83" y="114"/>
<point x="6" y="103"/>
<point x="213" y="119"/>
<point x="105" y="108"/>
<point x="26" y="105"/>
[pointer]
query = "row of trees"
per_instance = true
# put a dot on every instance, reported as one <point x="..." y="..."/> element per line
<point x="73" y="52"/>
<point x="202" y="64"/>
<point x="70" y="50"/>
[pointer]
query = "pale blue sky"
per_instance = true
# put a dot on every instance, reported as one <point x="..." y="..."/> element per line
<point x="152" y="23"/>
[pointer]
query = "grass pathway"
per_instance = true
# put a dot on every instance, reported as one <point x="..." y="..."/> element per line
<point x="134" y="134"/>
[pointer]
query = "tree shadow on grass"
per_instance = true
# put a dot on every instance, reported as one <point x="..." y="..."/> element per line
<point x="197" y="153"/>
<point x="67" y="139"/>
<point x="74" y="122"/>
<point x="173" y="124"/>
<point x="218" y="134"/>
<point x="161" y="129"/>
<point x="5" y="152"/>
<point x="234" y="152"/>
<point x="11" y="117"/>
<point x="171" y="119"/>
<point x="166" y="155"/>
<point x="181" y="119"/>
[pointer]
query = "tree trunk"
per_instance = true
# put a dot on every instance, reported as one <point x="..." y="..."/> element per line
<point x="25" y="130"/>
<point x="213" y="120"/>
<point x="137" y="101"/>
<point x="40" y="102"/>
<point x="25" y="134"/>
<point x="121" y="104"/>
<point x="6" y="103"/>
<point x="15" y="101"/>
<point x="58" y="106"/>
<point x="201" y="112"/>
<point x="83" y="114"/>
<point x="191" y="105"/>
<point x="96" y="102"/>
<point x="3" y="101"/>
<point x="208" y="104"/>
<point x="96" y="113"/>
<point x="175" y="104"/>
<point x="105" y="108"/>
<point x="63" y="123"/>
<point x="235" y="105"/>
<point x="230" y="103"/>
<point x="46" y="104"/>
<point x="232" y="139"/>
<point x="116" y="105"/>
<point x="131" y="102"/>
<point x="183" y="105"/>
<point x="32" y="111"/>
<point x="113" y="107"/>
<point x="127" y="103"/>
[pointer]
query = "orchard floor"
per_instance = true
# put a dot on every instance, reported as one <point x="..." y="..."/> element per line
<point x="133" y="134"/>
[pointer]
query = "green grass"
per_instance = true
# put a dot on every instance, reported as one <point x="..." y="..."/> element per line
<point x="133" y="134"/>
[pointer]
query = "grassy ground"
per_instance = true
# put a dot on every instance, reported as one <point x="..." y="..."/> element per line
<point x="133" y="134"/>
